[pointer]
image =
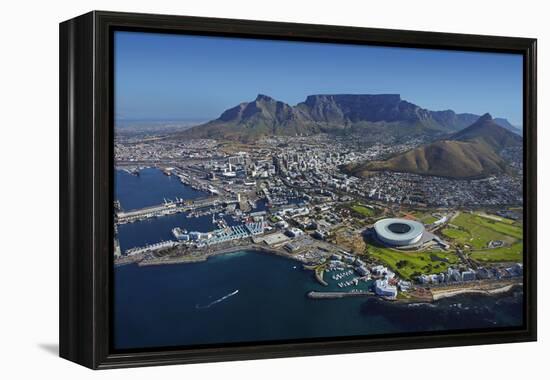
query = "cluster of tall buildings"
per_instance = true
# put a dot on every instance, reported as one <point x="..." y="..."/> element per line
<point x="469" y="274"/>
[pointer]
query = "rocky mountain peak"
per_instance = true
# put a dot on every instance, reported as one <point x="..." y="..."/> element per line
<point x="338" y="113"/>
<point x="485" y="117"/>
<point x="264" y="98"/>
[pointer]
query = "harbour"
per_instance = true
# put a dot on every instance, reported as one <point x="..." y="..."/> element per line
<point x="276" y="281"/>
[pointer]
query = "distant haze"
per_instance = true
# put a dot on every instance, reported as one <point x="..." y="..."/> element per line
<point x="178" y="77"/>
<point x="124" y="123"/>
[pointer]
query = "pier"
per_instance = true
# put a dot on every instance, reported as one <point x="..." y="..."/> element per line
<point x="331" y="295"/>
<point x="168" y="208"/>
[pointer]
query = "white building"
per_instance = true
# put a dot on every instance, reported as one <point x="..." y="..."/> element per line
<point x="294" y="232"/>
<point x="384" y="289"/>
<point x="468" y="275"/>
<point x="363" y="271"/>
<point x="404" y="285"/>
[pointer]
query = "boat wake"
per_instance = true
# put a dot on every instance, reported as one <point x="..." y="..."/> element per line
<point x="217" y="301"/>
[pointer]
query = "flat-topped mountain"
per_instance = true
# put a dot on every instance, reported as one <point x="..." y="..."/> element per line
<point x="349" y="109"/>
<point x="473" y="152"/>
<point x="384" y="114"/>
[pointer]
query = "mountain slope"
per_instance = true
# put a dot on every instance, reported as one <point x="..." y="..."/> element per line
<point x="506" y="124"/>
<point x="470" y="153"/>
<point x="262" y="117"/>
<point x="486" y="130"/>
<point x="384" y="114"/>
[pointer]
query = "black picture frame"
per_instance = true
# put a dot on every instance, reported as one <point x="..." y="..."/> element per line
<point x="86" y="184"/>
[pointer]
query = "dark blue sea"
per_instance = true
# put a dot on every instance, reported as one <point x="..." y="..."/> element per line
<point x="251" y="296"/>
<point x="151" y="187"/>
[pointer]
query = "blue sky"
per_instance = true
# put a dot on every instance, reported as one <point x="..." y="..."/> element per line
<point x="178" y="77"/>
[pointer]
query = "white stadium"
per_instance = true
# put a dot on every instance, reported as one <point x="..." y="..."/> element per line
<point x="399" y="232"/>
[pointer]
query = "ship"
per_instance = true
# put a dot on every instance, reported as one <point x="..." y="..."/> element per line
<point x="180" y="234"/>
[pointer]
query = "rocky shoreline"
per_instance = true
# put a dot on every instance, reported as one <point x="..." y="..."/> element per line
<point x="488" y="292"/>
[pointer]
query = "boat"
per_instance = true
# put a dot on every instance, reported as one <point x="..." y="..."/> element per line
<point x="218" y="300"/>
<point x="180" y="234"/>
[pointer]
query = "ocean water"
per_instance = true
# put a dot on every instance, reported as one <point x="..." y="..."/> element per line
<point x="150" y="188"/>
<point x="191" y="304"/>
<point x="153" y="230"/>
<point x="256" y="297"/>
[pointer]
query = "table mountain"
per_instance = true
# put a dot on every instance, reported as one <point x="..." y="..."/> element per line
<point x="385" y="114"/>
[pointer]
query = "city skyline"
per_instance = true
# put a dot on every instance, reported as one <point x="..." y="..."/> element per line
<point x="154" y="73"/>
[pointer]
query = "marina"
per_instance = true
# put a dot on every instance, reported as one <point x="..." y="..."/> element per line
<point x="169" y="208"/>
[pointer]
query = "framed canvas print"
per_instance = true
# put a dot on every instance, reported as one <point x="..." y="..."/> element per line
<point x="236" y="189"/>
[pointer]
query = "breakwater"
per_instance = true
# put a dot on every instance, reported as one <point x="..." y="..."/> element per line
<point x="331" y="295"/>
<point x="199" y="256"/>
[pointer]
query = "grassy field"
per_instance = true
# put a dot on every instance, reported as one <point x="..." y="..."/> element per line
<point x="497" y="218"/>
<point x="424" y="217"/>
<point x="456" y="234"/>
<point x="409" y="264"/>
<point x="428" y="219"/>
<point x="477" y="231"/>
<point x="467" y="229"/>
<point x="362" y="210"/>
<point x="502" y="227"/>
<point x="512" y="253"/>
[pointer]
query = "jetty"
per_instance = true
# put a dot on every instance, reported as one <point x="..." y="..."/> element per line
<point x="168" y="208"/>
<point x="331" y="295"/>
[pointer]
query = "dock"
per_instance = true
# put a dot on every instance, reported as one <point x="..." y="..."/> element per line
<point x="332" y="295"/>
<point x="168" y="208"/>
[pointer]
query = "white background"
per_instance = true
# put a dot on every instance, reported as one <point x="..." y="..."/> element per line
<point x="29" y="186"/>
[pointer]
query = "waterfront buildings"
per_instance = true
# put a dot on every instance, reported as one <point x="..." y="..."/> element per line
<point x="222" y="235"/>
<point x="384" y="289"/>
<point x="454" y="275"/>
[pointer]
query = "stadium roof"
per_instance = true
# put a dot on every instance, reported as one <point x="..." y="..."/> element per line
<point x="399" y="231"/>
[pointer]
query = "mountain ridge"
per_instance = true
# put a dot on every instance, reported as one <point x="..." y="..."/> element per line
<point x="332" y="113"/>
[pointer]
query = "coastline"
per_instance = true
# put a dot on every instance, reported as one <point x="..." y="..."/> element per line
<point x="487" y="292"/>
<point x="433" y="295"/>
<point x="333" y="295"/>
<point x="224" y="251"/>
<point x="319" y="277"/>
<point x="442" y="294"/>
